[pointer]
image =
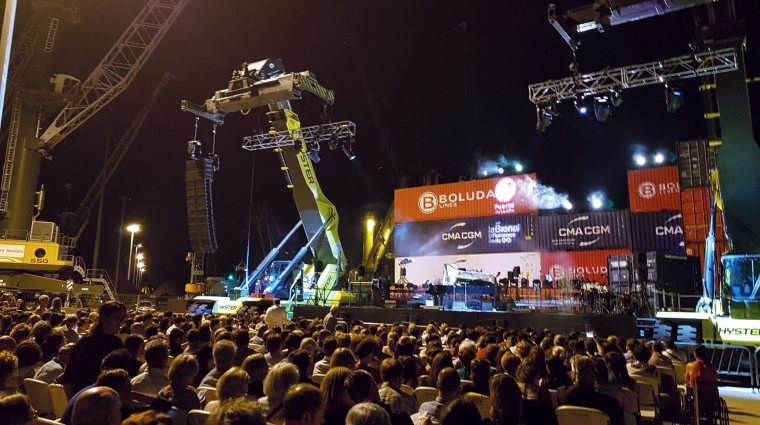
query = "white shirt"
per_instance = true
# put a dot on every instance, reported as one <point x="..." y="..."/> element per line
<point x="150" y="382"/>
<point x="275" y="316"/>
<point x="50" y="370"/>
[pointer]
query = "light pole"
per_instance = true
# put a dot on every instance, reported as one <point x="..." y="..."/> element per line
<point x="132" y="228"/>
<point x="138" y="265"/>
<point x="123" y="200"/>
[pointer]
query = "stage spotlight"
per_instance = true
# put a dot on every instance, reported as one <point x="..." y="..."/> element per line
<point x="640" y="160"/>
<point x="602" y="108"/>
<point x="313" y="154"/>
<point x="580" y="106"/>
<point x="544" y="115"/>
<point x="596" y="203"/>
<point x="567" y="204"/>
<point x="673" y="96"/>
<point x="518" y="167"/>
<point x="659" y="158"/>
<point x="617" y="99"/>
<point x="501" y="170"/>
<point x="348" y="151"/>
<point x="485" y="172"/>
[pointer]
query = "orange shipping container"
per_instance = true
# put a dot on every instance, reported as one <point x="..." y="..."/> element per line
<point x="695" y="205"/>
<point x="566" y="266"/>
<point x="654" y="189"/>
<point x="474" y="198"/>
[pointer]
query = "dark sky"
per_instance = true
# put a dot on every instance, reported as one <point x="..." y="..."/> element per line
<point x="412" y="55"/>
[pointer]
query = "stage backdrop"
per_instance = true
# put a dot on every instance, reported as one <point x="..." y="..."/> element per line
<point x="659" y="231"/>
<point x="430" y="269"/>
<point x="585" y="231"/>
<point x="583" y="265"/>
<point x="479" y="235"/>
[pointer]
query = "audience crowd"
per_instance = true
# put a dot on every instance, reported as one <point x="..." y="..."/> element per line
<point x="119" y="366"/>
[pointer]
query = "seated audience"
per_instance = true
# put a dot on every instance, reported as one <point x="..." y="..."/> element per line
<point x="280" y="378"/>
<point x="179" y="391"/>
<point x="232" y="384"/>
<point x="239" y="411"/>
<point x="391" y="372"/>
<point x="367" y="414"/>
<point x="583" y="392"/>
<point x="480" y="374"/>
<point x="97" y="406"/>
<point x="257" y="367"/>
<point x="303" y="405"/>
<point x="154" y="379"/>
<point x="16" y="409"/>
<point x="224" y="360"/>
<point x="328" y="348"/>
<point x="448" y="391"/>
<point x="337" y="400"/>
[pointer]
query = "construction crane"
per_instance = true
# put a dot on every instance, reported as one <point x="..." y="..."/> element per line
<point x="265" y="83"/>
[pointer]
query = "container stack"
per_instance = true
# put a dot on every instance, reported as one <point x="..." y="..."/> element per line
<point x="696" y="161"/>
<point x="656" y="218"/>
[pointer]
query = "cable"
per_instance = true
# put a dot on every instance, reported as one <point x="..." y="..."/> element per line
<point x="250" y="213"/>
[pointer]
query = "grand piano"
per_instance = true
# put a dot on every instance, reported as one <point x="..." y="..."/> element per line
<point x="464" y="289"/>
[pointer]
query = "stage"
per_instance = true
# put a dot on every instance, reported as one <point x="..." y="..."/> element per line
<point x="621" y="326"/>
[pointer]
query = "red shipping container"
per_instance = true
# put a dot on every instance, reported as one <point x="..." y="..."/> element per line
<point x="695" y="205"/>
<point x="565" y="266"/>
<point x="654" y="189"/>
<point x="474" y="198"/>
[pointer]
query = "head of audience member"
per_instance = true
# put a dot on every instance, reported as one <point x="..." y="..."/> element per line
<point x="506" y="401"/>
<point x="368" y="414"/>
<point x="449" y="384"/>
<point x="118" y="380"/>
<point x="601" y="372"/>
<point x="303" y="405"/>
<point x="302" y="360"/>
<point x="257" y="367"/>
<point x="148" y="417"/>
<point x="135" y="344"/>
<point x="183" y="370"/>
<point x="700" y="353"/>
<point x="110" y="316"/>
<point x="274" y="343"/>
<point x="157" y="353"/>
<point x="41" y="331"/>
<point x="409" y="375"/>
<point x="280" y="378"/>
<point x="582" y="370"/>
<point x="510" y="363"/>
<point x="224" y="355"/>
<point x="333" y="387"/>
<point x="441" y="361"/>
<point x="28" y="353"/>
<point x="239" y="411"/>
<point x="365" y="351"/>
<point x="642" y="354"/>
<point x="7" y="343"/>
<point x="343" y="357"/>
<point x="310" y="346"/>
<point x="97" y="406"/>
<point x="16" y="409"/>
<point x="21" y="332"/>
<point x="117" y="359"/>
<point x="480" y="371"/>
<point x="460" y="411"/>
<point x="361" y="387"/>
<point x="669" y="344"/>
<point x="555" y="366"/>
<point x="329" y="346"/>
<point x="293" y="341"/>
<point x="64" y="354"/>
<point x="391" y="371"/>
<point x="232" y="384"/>
<point x="527" y="372"/>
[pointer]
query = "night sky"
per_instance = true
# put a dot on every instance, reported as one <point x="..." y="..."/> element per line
<point x="412" y="53"/>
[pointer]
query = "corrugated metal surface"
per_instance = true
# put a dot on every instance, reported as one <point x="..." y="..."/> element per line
<point x="475" y="198"/>
<point x="594" y="230"/>
<point x="585" y="265"/>
<point x="696" y="160"/>
<point x="695" y="205"/>
<point x="477" y="235"/>
<point x="654" y="189"/>
<point x="424" y="269"/>
<point x="660" y="232"/>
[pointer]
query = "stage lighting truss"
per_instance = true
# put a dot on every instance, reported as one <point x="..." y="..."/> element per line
<point x="613" y="80"/>
<point x="312" y="136"/>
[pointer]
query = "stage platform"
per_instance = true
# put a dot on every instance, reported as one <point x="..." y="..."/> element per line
<point x="622" y="326"/>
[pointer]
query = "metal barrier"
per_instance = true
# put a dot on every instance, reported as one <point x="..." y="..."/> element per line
<point x="730" y="360"/>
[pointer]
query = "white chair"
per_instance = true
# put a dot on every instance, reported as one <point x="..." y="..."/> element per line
<point x="464" y="382"/>
<point x="422" y="380"/>
<point x="482" y="402"/>
<point x="555" y="399"/>
<point x="424" y="394"/>
<point x="197" y="417"/>
<point x="169" y="361"/>
<point x="317" y="378"/>
<point x="43" y="421"/>
<point x="406" y="389"/>
<point x="58" y="397"/>
<point x="210" y="393"/>
<point x="680" y="374"/>
<point x="39" y="396"/>
<point x="648" y="403"/>
<point x="575" y="415"/>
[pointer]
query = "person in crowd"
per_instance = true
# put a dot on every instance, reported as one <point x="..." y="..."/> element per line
<point x="410" y="373"/>
<point x="480" y="374"/>
<point x="232" y="384"/>
<point x="337" y="400"/>
<point x="557" y="374"/>
<point x="239" y="411"/>
<point x="368" y="414"/>
<point x="44" y="300"/>
<point x="176" y="339"/>
<point x="343" y="357"/>
<point x="509" y="363"/>
<point x="16" y="409"/>
<point x="28" y="354"/>
<point x="154" y="379"/>
<point x="328" y="348"/>
<point x="441" y="361"/>
<point x="630" y="344"/>
<point x="508" y="406"/>
<point x="205" y="358"/>
<point x="530" y="386"/>
<point x="193" y="341"/>
<point x="179" y="391"/>
<point x="148" y="417"/>
<point x="331" y="319"/>
<point x="391" y="372"/>
<point x="626" y="398"/>
<point x="135" y="344"/>
<point x="673" y="353"/>
<point x="7" y="344"/>
<point x="69" y="329"/>
<point x="617" y="366"/>
<point x="274" y="353"/>
<point x="362" y="389"/>
<point x="257" y="368"/>
<point x="460" y="411"/>
<point x="365" y="352"/>
<point x="303" y="405"/>
<point x="583" y="391"/>
<point x="448" y="390"/>
<point x="84" y="365"/>
<point x="280" y="378"/>
<point x="310" y="346"/>
<point x="467" y="353"/>
<point x="301" y="359"/>
<point x="51" y="370"/>
<point x="97" y="406"/>
<point x="658" y="358"/>
<point x="224" y="360"/>
<point x="700" y="370"/>
<point x="242" y="351"/>
<point x="21" y="332"/>
<point x="6" y="323"/>
<point x="41" y="331"/>
<point x="275" y="315"/>
<point x="51" y="346"/>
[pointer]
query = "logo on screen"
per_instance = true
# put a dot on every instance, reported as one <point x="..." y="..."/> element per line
<point x="647" y="190"/>
<point x="505" y="190"/>
<point x="428" y="202"/>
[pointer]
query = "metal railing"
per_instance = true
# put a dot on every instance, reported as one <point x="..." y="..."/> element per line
<point x="730" y="360"/>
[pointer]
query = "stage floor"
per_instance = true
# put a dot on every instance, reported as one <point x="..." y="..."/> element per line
<point x="621" y="326"/>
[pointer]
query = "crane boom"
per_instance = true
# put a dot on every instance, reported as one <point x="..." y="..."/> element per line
<point x="21" y="54"/>
<point x="96" y="190"/>
<point x="117" y="69"/>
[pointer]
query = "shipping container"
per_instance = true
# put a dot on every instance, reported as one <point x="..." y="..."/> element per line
<point x="593" y="230"/>
<point x="654" y="189"/>
<point x="696" y="160"/>
<point x="674" y="273"/>
<point x="695" y="205"/>
<point x="564" y="267"/>
<point x="478" y="235"/>
<point x="474" y="198"/>
<point x="431" y="269"/>
<point x="659" y="232"/>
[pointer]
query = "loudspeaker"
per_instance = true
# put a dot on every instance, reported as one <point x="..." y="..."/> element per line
<point x="199" y="176"/>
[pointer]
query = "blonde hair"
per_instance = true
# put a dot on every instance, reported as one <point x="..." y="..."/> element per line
<point x="343" y="357"/>
<point x="333" y="385"/>
<point x="279" y="380"/>
<point x="183" y="366"/>
<point x="233" y="383"/>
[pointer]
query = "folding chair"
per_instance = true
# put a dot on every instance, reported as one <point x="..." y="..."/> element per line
<point x="464" y="382"/>
<point x="648" y="403"/>
<point x="424" y="394"/>
<point x="422" y="380"/>
<point x="197" y="417"/>
<point x="482" y="402"/>
<point x="575" y="415"/>
<point x="210" y="393"/>
<point x="39" y="396"/>
<point x="58" y="396"/>
<point x="406" y="389"/>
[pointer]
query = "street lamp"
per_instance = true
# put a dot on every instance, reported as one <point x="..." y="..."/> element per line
<point x="132" y="228"/>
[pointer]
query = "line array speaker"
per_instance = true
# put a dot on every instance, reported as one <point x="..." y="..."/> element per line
<point x="199" y="176"/>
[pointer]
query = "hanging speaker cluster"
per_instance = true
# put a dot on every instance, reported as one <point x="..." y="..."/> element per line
<point x="199" y="176"/>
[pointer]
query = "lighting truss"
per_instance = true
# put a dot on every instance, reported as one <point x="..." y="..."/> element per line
<point x="318" y="133"/>
<point x="609" y="80"/>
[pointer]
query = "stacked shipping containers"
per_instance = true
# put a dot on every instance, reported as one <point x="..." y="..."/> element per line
<point x="486" y="225"/>
<point x="656" y="218"/>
